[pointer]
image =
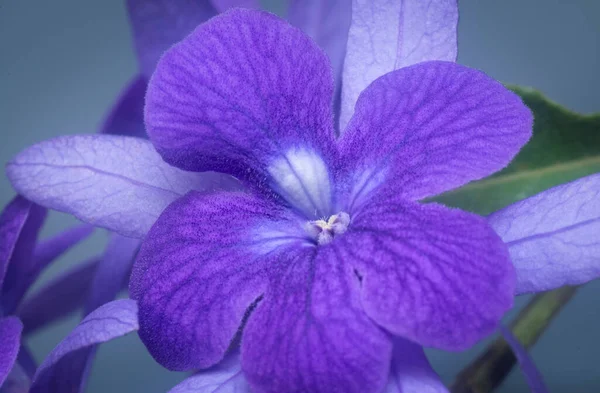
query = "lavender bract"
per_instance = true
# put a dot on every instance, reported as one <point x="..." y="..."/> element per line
<point x="332" y="242"/>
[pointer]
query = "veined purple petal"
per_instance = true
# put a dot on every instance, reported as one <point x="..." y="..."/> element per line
<point x="108" y="322"/>
<point x="391" y="34"/>
<point x="200" y="268"/>
<point x="224" y="5"/>
<point x="20" y="262"/>
<point x="429" y="128"/>
<point x="158" y="24"/>
<point x="309" y="332"/>
<point x="439" y="277"/>
<point x="531" y="372"/>
<point x="126" y="117"/>
<point x="10" y="341"/>
<point x="108" y="280"/>
<point x="553" y="237"/>
<point x="411" y="372"/>
<point x="115" y="182"/>
<point x="249" y="95"/>
<point x="226" y="377"/>
<point x="58" y="298"/>
<point x="12" y="222"/>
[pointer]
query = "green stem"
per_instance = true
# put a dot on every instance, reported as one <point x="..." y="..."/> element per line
<point x="491" y="368"/>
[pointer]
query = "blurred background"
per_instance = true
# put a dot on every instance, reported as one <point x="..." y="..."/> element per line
<point x="62" y="63"/>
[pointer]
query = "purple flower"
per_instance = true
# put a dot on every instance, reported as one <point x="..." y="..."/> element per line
<point x="331" y="249"/>
<point x="21" y="262"/>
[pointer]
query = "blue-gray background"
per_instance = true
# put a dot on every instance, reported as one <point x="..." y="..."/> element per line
<point x="63" y="62"/>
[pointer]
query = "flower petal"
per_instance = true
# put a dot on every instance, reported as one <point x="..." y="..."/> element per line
<point x="108" y="280"/>
<point x="436" y="276"/>
<point x="432" y="127"/>
<point x="309" y="333"/>
<point x="10" y="332"/>
<point x="244" y="94"/>
<point x="158" y="24"/>
<point x="199" y="270"/>
<point x="58" y="298"/>
<point x="126" y="117"/>
<point x="411" y="372"/>
<point x="25" y="274"/>
<point x="115" y="182"/>
<point x="24" y="220"/>
<point x="224" y="5"/>
<point x="226" y="377"/>
<point x="532" y="374"/>
<point x="553" y="237"/>
<point x="391" y="34"/>
<point x="13" y="221"/>
<point x="112" y="320"/>
<point x="327" y="22"/>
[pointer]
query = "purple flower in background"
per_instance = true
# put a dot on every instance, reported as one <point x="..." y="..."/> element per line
<point x="331" y="246"/>
<point x="21" y="262"/>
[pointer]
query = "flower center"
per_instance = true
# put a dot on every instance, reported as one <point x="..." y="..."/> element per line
<point x="324" y="231"/>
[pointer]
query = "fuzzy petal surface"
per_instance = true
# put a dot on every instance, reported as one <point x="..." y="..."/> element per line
<point x="411" y="372"/>
<point x="158" y="24"/>
<point x="429" y="128"/>
<point x="112" y="320"/>
<point x="61" y="296"/>
<point x="309" y="332"/>
<point x="436" y="276"/>
<point x="387" y="35"/>
<point x="126" y="117"/>
<point x="532" y="374"/>
<point x="553" y="237"/>
<point x="10" y="341"/>
<point x="111" y="181"/>
<point x="199" y="270"/>
<point x="245" y="94"/>
<point x="226" y="377"/>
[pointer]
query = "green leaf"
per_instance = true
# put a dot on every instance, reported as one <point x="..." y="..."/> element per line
<point x="565" y="146"/>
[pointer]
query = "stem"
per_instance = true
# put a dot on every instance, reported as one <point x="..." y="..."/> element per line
<point x="491" y="368"/>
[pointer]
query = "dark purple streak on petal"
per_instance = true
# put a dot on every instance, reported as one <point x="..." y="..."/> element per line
<point x="126" y="117"/>
<point x="58" y="298"/>
<point x="10" y="341"/>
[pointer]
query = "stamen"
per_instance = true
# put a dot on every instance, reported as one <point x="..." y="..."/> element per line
<point x="324" y="231"/>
